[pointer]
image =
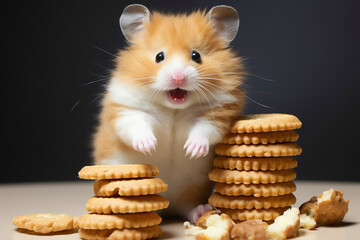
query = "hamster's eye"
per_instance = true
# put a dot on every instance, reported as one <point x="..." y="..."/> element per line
<point x="160" y="57"/>
<point x="195" y="56"/>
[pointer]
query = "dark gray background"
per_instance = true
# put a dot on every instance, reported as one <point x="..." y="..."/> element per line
<point x="50" y="53"/>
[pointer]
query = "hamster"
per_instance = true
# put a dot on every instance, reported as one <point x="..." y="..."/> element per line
<point x="173" y="94"/>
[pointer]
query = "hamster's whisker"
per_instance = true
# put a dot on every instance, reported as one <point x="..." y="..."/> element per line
<point x="237" y="73"/>
<point x="204" y="95"/>
<point x="100" y="76"/>
<point x="92" y="82"/>
<point x="220" y="73"/>
<point x="209" y="83"/>
<point x="250" y="88"/>
<point x="262" y="78"/>
<point x="104" y="50"/>
<point x="198" y="89"/>
<point x="74" y="106"/>
<point x="211" y="78"/>
<point x="203" y="86"/>
<point x="260" y="104"/>
<point x="143" y="78"/>
<point x="98" y="64"/>
<point x="198" y="97"/>
<point x="220" y="91"/>
<point x="100" y="95"/>
<point x="154" y="93"/>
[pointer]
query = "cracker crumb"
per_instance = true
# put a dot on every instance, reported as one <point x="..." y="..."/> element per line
<point x="307" y="222"/>
<point x="211" y="226"/>
<point x="254" y="229"/>
<point x="328" y="208"/>
<point x="285" y="226"/>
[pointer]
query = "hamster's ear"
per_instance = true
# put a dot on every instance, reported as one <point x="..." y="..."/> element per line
<point x="225" y="20"/>
<point x="132" y="20"/>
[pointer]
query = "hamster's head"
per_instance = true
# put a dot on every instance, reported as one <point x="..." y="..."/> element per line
<point x="180" y="60"/>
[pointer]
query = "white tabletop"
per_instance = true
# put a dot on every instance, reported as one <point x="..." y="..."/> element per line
<point x="70" y="198"/>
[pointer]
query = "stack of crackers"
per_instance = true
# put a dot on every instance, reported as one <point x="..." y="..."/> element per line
<point x="254" y="167"/>
<point x="125" y="202"/>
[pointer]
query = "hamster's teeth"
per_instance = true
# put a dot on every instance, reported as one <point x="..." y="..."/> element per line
<point x="175" y="99"/>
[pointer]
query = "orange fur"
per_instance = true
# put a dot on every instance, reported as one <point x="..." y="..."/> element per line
<point x="179" y="35"/>
<point x="105" y="140"/>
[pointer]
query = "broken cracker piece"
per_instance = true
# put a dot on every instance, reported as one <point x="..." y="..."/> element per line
<point x="44" y="223"/>
<point x="327" y="209"/>
<point x="254" y="229"/>
<point x="211" y="226"/>
<point x="285" y="226"/>
<point x="307" y="222"/>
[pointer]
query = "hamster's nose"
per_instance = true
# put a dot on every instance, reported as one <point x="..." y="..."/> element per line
<point x="178" y="77"/>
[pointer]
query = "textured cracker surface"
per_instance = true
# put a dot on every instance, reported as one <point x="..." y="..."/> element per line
<point x="129" y="187"/>
<point x="261" y="138"/>
<point x="119" y="221"/>
<point x="247" y="202"/>
<point x="266" y="123"/>
<point x="255" y="177"/>
<point x="247" y="214"/>
<point x="121" y="234"/>
<point x="258" y="190"/>
<point x="106" y="205"/>
<point x="118" y="171"/>
<point x="44" y="222"/>
<point x="269" y="150"/>
<point x="255" y="163"/>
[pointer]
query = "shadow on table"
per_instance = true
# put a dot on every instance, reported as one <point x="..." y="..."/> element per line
<point x="343" y="224"/>
<point x="65" y="232"/>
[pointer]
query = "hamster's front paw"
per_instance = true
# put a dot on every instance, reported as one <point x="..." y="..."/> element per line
<point x="197" y="212"/>
<point x="144" y="142"/>
<point x="197" y="145"/>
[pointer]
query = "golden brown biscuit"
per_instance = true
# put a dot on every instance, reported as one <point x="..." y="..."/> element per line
<point x="257" y="190"/>
<point x="307" y="222"/>
<point x="255" y="163"/>
<point x="129" y="187"/>
<point x="121" y="234"/>
<point x="269" y="150"/>
<point x="246" y="202"/>
<point x="106" y="205"/>
<point x="119" y="221"/>
<point x="265" y="123"/>
<point x="210" y="226"/>
<point x="248" y="214"/>
<point x="285" y="226"/>
<point x="118" y="171"/>
<point x="255" y="177"/>
<point x="328" y="208"/>
<point x="261" y="137"/>
<point x="44" y="222"/>
<point x="254" y="229"/>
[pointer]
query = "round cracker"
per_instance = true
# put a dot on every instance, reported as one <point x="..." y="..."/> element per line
<point x="266" y="123"/>
<point x="255" y="177"/>
<point x="248" y="214"/>
<point x="129" y="187"/>
<point x="261" y="137"/>
<point x="121" y="234"/>
<point x="245" y="202"/>
<point x="269" y="150"/>
<point x="257" y="190"/>
<point x="44" y="222"/>
<point x="255" y="163"/>
<point x="119" y="221"/>
<point x="118" y="171"/>
<point x="106" y="205"/>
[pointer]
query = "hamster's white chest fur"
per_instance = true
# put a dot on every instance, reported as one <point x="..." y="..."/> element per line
<point x="187" y="178"/>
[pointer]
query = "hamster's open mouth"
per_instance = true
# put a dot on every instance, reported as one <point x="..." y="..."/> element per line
<point x="177" y="96"/>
